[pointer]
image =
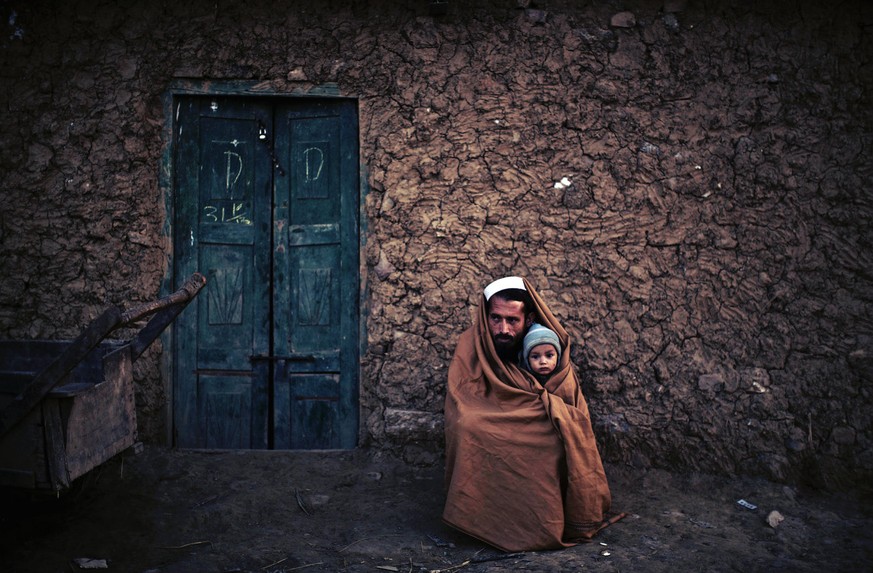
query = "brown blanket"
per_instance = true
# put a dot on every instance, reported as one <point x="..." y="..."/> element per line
<point x="522" y="467"/>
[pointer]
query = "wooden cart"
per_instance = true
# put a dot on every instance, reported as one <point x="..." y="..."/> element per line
<point x="68" y="406"/>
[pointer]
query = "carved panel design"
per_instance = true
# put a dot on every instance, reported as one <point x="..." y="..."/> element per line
<point x="313" y="305"/>
<point x="225" y="299"/>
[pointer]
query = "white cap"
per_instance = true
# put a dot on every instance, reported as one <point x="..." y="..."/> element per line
<point x="503" y="284"/>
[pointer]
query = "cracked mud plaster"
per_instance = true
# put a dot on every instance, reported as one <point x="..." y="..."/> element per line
<point x="710" y="257"/>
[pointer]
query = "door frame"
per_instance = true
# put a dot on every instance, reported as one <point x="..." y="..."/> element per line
<point x="166" y="178"/>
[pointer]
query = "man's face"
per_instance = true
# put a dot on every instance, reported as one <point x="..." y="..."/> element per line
<point x="507" y="324"/>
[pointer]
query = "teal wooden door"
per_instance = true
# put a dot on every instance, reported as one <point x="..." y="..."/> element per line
<point x="266" y="207"/>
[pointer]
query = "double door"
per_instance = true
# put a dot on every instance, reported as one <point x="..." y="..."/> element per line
<point x="266" y="206"/>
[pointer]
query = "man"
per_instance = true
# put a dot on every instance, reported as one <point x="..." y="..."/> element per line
<point x="510" y="314"/>
<point x="522" y="467"/>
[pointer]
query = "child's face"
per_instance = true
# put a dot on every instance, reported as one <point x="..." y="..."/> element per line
<point x="543" y="358"/>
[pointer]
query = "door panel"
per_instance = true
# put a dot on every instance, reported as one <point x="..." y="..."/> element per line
<point x="315" y="301"/>
<point x="227" y="407"/>
<point x="226" y="336"/>
<point x="223" y="215"/>
<point x="267" y="203"/>
<point x="315" y="411"/>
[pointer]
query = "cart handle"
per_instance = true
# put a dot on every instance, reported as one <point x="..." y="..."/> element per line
<point x="185" y="293"/>
<point x="165" y="311"/>
<point x="112" y="318"/>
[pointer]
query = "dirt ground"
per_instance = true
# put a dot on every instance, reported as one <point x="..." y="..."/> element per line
<point x="168" y="511"/>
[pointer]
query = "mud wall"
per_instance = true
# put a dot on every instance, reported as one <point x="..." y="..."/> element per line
<point x="687" y="184"/>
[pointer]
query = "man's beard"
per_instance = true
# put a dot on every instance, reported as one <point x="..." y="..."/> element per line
<point x="507" y="347"/>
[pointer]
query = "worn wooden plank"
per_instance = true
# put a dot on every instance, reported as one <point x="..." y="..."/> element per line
<point x="70" y="390"/>
<point x="52" y="374"/>
<point x="55" y="447"/>
<point x="102" y="421"/>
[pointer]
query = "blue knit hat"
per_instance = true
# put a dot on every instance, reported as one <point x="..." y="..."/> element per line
<point x="538" y="334"/>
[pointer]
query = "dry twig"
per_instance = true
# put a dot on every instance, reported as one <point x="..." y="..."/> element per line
<point x="305" y="566"/>
<point x="188" y="545"/>
<point x="300" y="501"/>
<point x="276" y="563"/>
<point x="476" y="559"/>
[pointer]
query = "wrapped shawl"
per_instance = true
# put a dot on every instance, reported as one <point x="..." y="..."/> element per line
<point x="522" y="467"/>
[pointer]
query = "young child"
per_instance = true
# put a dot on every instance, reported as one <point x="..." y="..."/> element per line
<point x="540" y="352"/>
